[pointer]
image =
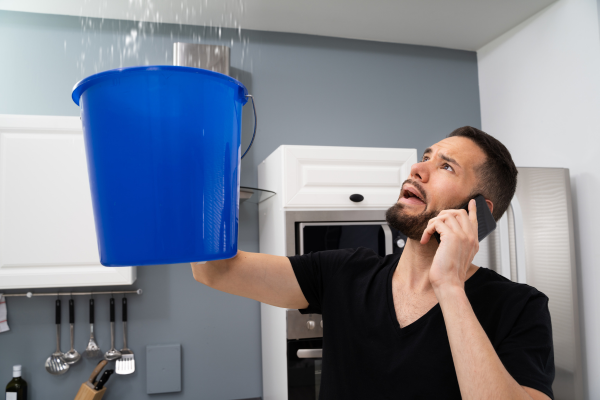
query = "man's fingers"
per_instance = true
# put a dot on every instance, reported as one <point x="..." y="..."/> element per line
<point x="473" y="215"/>
<point x="461" y="216"/>
<point x="435" y="225"/>
<point x="473" y="210"/>
<point x="453" y="221"/>
<point x="428" y="232"/>
<point x="459" y="221"/>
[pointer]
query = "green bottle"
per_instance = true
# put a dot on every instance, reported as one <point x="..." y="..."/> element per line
<point x="17" y="388"/>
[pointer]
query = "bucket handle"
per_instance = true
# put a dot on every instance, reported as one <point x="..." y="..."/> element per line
<point x="255" y="122"/>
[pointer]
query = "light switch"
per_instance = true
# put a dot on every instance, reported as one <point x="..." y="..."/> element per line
<point x="163" y="368"/>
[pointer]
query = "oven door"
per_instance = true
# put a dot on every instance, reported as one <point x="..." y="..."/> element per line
<point x="304" y="361"/>
<point x="375" y="235"/>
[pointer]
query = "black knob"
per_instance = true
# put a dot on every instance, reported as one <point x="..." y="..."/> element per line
<point x="357" y="198"/>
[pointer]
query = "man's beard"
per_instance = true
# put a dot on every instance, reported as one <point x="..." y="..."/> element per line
<point x="412" y="226"/>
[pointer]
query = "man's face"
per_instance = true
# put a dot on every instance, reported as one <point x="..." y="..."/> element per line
<point x="444" y="179"/>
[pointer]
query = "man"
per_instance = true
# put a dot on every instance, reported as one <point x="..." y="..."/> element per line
<point x="427" y="324"/>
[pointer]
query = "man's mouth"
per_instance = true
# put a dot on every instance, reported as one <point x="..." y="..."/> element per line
<point x="411" y="195"/>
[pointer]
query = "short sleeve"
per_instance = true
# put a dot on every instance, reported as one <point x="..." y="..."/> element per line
<point x="527" y="352"/>
<point x="314" y="271"/>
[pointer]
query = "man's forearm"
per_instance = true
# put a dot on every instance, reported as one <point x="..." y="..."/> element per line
<point x="481" y="374"/>
<point x="262" y="277"/>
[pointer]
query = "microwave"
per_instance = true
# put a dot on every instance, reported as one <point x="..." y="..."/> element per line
<point x="333" y="235"/>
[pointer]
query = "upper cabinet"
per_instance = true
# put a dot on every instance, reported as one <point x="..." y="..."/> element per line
<point x="326" y="177"/>
<point x="47" y="234"/>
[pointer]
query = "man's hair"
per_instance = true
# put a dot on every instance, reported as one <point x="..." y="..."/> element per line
<point x="497" y="174"/>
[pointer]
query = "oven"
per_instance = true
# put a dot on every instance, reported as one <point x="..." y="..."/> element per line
<point x="313" y="231"/>
<point x="304" y="355"/>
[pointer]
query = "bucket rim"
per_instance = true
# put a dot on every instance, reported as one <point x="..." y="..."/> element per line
<point x="92" y="80"/>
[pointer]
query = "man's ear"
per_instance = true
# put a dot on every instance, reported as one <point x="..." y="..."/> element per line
<point x="490" y="205"/>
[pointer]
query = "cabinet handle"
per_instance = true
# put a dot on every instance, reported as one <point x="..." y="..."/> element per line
<point x="357" y="198"/>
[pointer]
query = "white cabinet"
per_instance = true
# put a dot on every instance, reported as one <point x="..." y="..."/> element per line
<point x="325" y="177"/>
<point x="47" y="234"/>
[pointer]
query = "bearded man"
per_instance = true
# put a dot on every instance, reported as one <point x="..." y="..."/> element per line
<point x="427" y="323"/>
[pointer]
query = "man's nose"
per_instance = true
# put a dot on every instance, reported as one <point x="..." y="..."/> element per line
<point x="420" y="171"/>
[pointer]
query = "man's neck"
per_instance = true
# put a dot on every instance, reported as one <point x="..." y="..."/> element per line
<point x="412" y="273"/>
<point x="414" y="265"/>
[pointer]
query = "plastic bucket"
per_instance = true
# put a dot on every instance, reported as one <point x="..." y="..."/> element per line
<point x="163" y="155"/>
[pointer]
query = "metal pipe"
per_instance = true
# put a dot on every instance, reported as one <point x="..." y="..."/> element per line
<point x="30" y="294"/>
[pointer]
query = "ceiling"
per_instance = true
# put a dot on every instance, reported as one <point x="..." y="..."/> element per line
<point x="456" y="24"/>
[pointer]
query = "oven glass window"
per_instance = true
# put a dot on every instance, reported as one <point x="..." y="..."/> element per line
<point x="320" y="237"/>
<point x="304" y="374"/>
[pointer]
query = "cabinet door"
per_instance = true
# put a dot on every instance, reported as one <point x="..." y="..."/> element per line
<point x="326" y="177"/>
<point x="47" y="234"/>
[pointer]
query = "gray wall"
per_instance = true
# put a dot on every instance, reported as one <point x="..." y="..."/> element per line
<point x="308" y="89"/>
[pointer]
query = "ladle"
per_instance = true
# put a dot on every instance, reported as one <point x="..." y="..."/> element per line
<point x="113" y="353"/>
<point x="92" y="350"/>
<point x="72" y="356"/>
<point x="56" y="364"/>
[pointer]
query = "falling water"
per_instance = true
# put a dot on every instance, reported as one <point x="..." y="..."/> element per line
<point x="137" y="40"/>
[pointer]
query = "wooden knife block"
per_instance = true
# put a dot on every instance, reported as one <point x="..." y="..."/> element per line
<point x="87" y="392"/>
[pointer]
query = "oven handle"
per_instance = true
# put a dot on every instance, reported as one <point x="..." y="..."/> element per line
<point x="310" y="353"/>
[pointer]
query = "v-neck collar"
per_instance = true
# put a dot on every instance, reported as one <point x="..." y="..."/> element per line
<point x="431" y="313"/>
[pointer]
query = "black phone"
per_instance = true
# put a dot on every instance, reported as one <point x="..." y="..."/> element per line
<point x="485" y="220"/>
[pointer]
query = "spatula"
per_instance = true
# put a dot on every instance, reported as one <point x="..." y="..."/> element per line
<point x="126" y="364"/>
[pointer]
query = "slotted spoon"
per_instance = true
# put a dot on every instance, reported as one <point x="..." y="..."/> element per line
<point x="56" y="364"/>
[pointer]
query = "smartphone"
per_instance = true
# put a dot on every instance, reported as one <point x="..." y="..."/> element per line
<point x="485" y="221"/>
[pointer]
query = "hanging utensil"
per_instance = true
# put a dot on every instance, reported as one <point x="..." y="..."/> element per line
<point x="126" y="364"/>
<point x="72" y="356"/>
<point x="112" y="354"/>
<point x="56" y="364"/>
<point x="92" y="350"/>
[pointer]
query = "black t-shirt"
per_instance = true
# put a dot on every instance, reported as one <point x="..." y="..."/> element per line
<point x="366" y="355"/>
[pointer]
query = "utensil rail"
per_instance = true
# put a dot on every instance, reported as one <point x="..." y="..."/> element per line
<point x="31" y="294"/>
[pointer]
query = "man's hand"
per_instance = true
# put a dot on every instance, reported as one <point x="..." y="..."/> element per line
<point x="480" y="372"/>
<point x="459" y="244"/>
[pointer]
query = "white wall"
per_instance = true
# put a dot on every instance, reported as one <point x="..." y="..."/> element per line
<point x="540" y="95"/>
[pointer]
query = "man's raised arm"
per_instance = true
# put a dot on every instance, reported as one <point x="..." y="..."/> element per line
<point x="263" y="277"/>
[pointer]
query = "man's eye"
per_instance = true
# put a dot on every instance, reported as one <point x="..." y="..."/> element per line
<point x="425" y="158"/>
<point x="447" y="167"/>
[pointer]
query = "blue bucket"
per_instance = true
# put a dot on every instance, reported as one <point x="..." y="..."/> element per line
<point x="163" y="154"/>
